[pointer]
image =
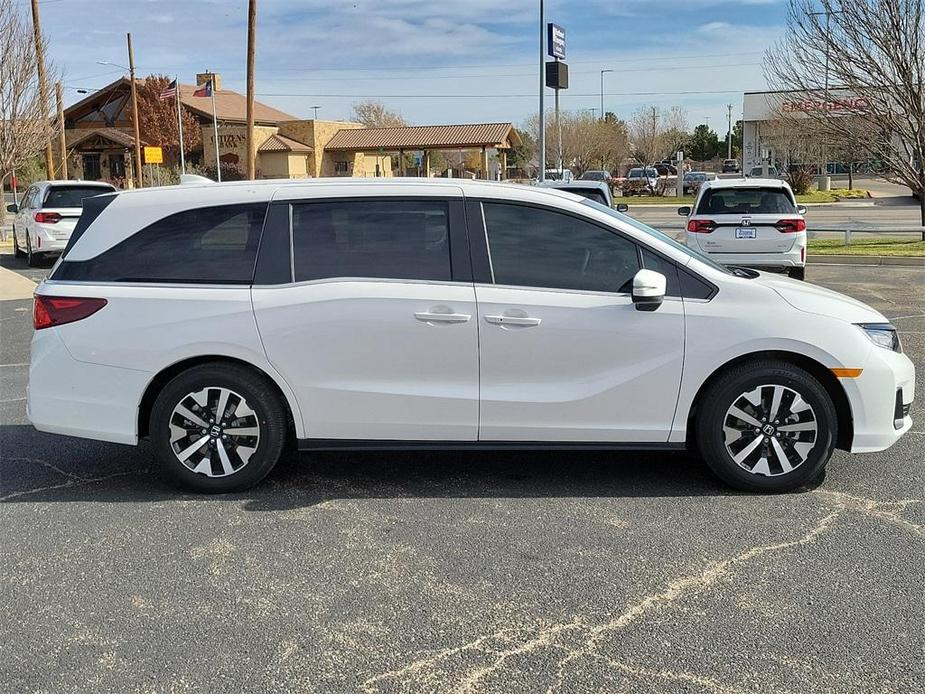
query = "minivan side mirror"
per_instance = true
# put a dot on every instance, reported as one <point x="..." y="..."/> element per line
<point x="801" y="209"/>
<point x="622" y="207"/>
<point x="12" y="209"/>
<point x="648" y="290"/>
<point x="684" y="211"/>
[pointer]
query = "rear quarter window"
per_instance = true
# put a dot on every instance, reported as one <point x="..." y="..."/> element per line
<point x="209" y="245"/>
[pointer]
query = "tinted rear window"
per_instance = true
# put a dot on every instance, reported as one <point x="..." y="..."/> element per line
<point x="208" y="245"/>
<point x="72" y="196"/>
<point x="398" y="239"/>
<point x="746" y="201"/>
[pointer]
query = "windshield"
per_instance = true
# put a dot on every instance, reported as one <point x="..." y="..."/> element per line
<point x="638" y="173"/>
<point x="746" y="201"/>
<point x="655" y="233"/>
<point x="72" y="196"/>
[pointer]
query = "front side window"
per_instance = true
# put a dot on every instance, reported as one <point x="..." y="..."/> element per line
<point x="395" y="239"/>
<point x="534" y="247"/>
<point x="209" y="245"/>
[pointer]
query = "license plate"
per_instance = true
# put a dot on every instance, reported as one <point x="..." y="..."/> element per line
<point x="746" y="233"/>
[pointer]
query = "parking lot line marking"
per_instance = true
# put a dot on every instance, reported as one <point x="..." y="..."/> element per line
<point x="14" y="286"/>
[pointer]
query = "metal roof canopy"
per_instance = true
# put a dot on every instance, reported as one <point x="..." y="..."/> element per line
<point x="427" y="137"/>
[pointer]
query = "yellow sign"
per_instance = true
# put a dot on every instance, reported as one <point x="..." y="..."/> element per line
<point x="154" y="155"/>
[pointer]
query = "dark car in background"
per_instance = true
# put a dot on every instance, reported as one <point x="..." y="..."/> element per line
<point x="731" y="166"/>
<point x="596" y="175"/>
<point x="694" y="179"/>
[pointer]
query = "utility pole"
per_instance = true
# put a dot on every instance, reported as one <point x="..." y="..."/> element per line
<point x="729" y="132"/>
<point x="541" y="174"/>
<point x="131" y="72"/>
<point x="43" y="86"/>
<point x="251" y="43"/>
<point x="602" y="92"/>
<point x="62" y="144"/>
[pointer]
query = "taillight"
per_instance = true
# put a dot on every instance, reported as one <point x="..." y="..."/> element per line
<point x="701" y="226"/>
<point x="791" y="226"/>
<point x="47" y="217"/>
<point x="48" y="311"/>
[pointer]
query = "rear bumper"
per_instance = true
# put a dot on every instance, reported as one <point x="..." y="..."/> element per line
<point x="795" y="257"/>
<point x="881" y="399"/>
<point x="49" y="242"/>
<point x="65" y="396"/>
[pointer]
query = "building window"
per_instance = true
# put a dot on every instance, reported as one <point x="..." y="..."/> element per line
<point x="116" y="167"/>
<point x="91" y="166"/>
<point x="340" y="168"/>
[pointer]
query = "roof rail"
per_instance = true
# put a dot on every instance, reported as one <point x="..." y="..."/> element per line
<point x="193" y="179"/>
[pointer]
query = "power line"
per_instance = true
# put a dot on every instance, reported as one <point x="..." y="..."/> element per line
<point x="510" y="74"/>
<point x="497" y="95"/>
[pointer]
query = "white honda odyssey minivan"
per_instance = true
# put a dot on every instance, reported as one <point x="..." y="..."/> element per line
<point x="225" y="321"/>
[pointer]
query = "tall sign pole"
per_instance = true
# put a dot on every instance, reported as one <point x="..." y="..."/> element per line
<point x="251" y="45"/>
<point x="43" y="86"/>
<point x="62" y="144"/>
<point x="131" y="72"/>
<point x="541" y="174"/>
<point x="218" y="159"/>
<point x="729" y="133"/>
<point x="556" y="77"/>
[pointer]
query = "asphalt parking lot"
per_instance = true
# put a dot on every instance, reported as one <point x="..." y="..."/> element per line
<point x="452" y="572"/>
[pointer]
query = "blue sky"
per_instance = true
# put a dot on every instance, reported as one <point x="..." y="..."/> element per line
<point x="420" y="56"/>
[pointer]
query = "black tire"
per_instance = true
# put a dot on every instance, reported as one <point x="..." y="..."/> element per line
<point x="797" y="273"/>
<point x="727" y="390"/>
<point x="17" y="251"/>
<point x="269" y="415"/>
<point x="32" y="259"/>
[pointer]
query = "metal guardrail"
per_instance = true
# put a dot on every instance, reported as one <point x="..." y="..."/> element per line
<point x="848" y="231"/>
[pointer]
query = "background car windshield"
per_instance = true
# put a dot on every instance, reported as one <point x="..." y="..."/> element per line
<point x="747" y="201"/>
<point x="72" y="196"/>
<point x="636" y="224"/>
<point x="638" y="173"/>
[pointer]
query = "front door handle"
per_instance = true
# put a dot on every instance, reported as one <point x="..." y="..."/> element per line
<point x="432" y="317"/>
<point x="513" y="320"/>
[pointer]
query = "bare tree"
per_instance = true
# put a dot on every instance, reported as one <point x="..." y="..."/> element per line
<point x="655" y="133"/>
<point x="24" y="123"/>
<point x="858" y="68"/>
<point x="587" y="142"/>
<point x="374" y="114"/>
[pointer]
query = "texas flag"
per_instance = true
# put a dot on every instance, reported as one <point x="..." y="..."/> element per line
<point x="204" y="89"/>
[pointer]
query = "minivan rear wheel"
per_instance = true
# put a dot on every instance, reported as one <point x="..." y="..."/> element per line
<point x="768" y="426"/>
<point x="218" y="428"/>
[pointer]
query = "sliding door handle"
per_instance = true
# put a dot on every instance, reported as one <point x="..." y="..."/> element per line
<point x="525" y="321"/>
<point x="432" y="317"/>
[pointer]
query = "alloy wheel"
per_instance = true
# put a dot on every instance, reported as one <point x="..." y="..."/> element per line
<point x="214" y="432"/>
<point x="770" y="430"/>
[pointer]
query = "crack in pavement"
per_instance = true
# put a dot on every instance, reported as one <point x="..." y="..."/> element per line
<point x="889" y="511"/>
<point x="706" y="683"/>
<point x="71" y="480"/>
<point x="675" y="590"/>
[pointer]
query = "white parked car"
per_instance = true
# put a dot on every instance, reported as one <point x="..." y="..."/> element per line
<point x="47" y="214"/>
<point x="224" y="321"/>
<point x="559" y="175"/>
<point x="754" y="223"/>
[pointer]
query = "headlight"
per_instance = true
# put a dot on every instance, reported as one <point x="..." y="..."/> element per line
<point x="883" y="335"/>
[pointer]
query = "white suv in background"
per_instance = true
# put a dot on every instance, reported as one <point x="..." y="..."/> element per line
<point x="47" y="214"/>
<point x="224" y="321"/>
<point x="753" y="223"/>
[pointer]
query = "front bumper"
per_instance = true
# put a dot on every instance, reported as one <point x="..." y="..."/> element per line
<point x="881" y="400"/>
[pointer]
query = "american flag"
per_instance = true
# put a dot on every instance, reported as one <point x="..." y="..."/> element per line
<point x="169" y="92"/>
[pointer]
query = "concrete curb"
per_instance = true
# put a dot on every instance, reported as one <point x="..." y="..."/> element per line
<point x="914" y="261"/>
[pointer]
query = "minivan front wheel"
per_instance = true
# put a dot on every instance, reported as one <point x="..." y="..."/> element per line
<point x="767" y="426"/>
<point x="218" y="428"/>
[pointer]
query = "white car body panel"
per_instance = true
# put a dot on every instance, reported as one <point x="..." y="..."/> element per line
<point x="392" y="374"/>
<point x="593" y="369"/>
<point x="353" y="361"/>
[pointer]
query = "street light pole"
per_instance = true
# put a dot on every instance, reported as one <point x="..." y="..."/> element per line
<point x="602" y="92"/>
<point x="43" y="86"/>
<point x="729" y="132"/>
<point x="541" y="174"/>
<point x="131" y="72"/>
<point x="251" y="48"/>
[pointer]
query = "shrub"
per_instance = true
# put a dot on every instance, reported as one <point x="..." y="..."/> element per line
<point x="230" y="172"/>
<point x="800" y="180"/>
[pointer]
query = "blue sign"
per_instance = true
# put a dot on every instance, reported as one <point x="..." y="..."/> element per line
<point x="555" y="41"/>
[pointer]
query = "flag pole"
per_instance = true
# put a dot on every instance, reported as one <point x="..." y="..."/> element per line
<point x="180" y="126"/>
<point x="218" y="162"/>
